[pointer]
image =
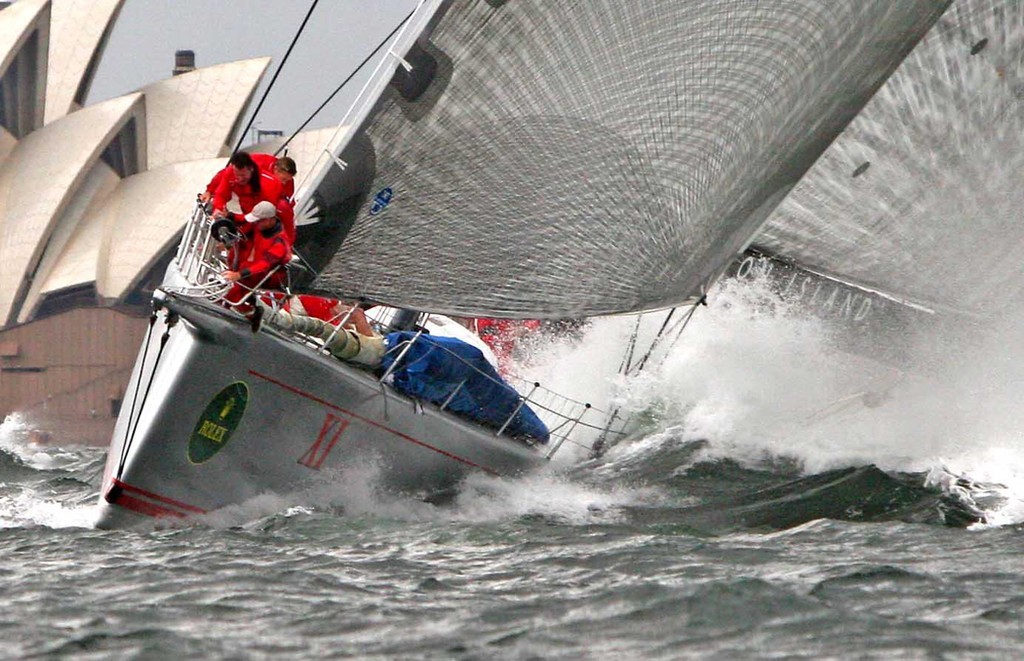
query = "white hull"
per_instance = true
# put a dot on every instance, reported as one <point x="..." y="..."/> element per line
<point x="220" y="415"/>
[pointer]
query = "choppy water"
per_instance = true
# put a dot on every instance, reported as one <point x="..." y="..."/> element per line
<point x="741" y="523"/>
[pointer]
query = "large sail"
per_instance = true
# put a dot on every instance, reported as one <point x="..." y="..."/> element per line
<point x="574" y="158"/>
<point x="922" y="197"/>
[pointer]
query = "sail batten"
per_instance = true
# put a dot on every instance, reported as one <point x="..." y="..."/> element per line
<point x="581" y="158"/>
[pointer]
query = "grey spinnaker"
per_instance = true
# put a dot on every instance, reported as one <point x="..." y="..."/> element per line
<point x="921" y="196"/>
<point x="581" y="158"/>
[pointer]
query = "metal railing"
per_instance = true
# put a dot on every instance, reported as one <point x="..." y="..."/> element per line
<point x="199" y="264"/>
<point x="198" y="261"/>
<point x="562" y="415"/>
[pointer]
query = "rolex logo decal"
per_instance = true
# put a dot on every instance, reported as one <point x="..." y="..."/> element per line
<point x="218" y="421"/>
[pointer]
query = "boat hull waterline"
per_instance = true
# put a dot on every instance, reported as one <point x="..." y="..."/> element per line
<point x="217" y="415"/>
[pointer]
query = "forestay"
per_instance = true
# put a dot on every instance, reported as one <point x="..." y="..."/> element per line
<point x="578" y="158"/>
<point x="922" y="196"/>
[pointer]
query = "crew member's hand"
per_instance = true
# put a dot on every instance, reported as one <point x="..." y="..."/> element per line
<point x="204" y="197"/>
<point x="231" y="276"/>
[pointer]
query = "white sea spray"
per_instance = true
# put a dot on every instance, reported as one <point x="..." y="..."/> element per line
<point x="758" y="378"/>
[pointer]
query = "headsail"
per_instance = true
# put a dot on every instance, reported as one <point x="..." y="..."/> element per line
<point x="577" y="158"/>
<point x="922" y="197"/>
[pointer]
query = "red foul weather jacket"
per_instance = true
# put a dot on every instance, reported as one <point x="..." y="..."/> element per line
<point x="286" y="203"/>
<point x="270" y="190"/>
<point x="266" y="250"/>
<point x="265" y="162"/>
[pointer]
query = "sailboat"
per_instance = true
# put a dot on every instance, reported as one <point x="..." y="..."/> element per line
<point x="519" y="159"/>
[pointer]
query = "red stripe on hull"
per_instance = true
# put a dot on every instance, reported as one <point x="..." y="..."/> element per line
<point x="143" y="503"/>
<point x="145" y="507"/>
<point x="373" y="423"/>
<point x="157" y="497"/>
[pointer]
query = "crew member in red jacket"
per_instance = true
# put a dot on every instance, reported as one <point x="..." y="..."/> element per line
<point x="243" y="181"/>
<point x="282" y="171"/>
<point x="502" y="336"/>
<point x="263" y="255"/>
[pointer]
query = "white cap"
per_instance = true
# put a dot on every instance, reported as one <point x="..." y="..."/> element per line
<point x="261" y="211"/>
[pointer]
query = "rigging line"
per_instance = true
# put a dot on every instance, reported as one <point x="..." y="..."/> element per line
<point x="171" y="322"/>
<point x="345" y="82"/>
<point x="597" y="448"/>
<point x="135" y="396"/>
<point x="689" y="316"/>
<point x="679" y="327"/>
<point x="703" y="300"/>
<point x="270" y="86"/>
<point x="627" y="358"/>
<point x="654" y="343"/>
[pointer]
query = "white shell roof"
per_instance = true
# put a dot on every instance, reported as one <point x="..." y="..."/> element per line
<point x="77" y="28"/>
<point x="145" y="215"/>
<point x="191" y="116"/>
<point x="70" y="257"/>
<point x="16" y="22"/>
<point x="7" y="143"/>
<point x="39" y="178"/>
<point x="66" y="219"/>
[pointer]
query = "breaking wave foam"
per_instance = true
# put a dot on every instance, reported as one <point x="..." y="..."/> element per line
<point x="31" y="508"/>
<point x="355" y="492"/>
<point x="759" y="379"/>
<point x="24" y="498"/>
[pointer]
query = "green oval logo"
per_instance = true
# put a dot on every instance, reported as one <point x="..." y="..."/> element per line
<point x="218" y="422"/>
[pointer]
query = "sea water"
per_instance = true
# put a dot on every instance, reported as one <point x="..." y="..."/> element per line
<point x="729" y="526"/>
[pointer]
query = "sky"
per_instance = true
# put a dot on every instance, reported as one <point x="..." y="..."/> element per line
<point x="340" y="34"/>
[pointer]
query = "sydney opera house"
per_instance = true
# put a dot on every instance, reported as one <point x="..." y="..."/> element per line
<point x="92" y="202"/>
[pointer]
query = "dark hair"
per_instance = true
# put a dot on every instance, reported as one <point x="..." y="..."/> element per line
<point x="286" y="164"/>
<point x="241" y="159"/>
